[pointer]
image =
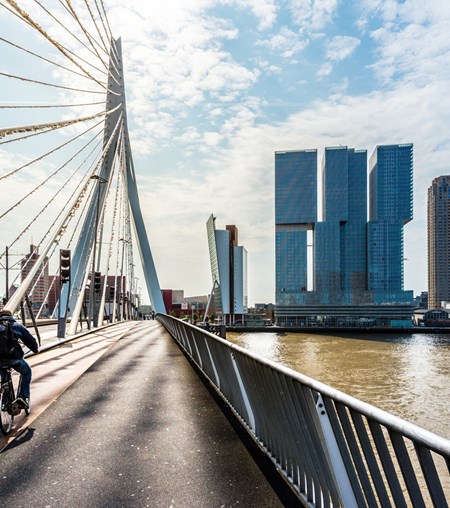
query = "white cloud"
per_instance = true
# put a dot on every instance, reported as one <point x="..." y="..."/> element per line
<point x="312" y="15"/>
<point x="325" y="70"/>
<point x="286" y="43"/>
<point x="238" y="182"/>
<point x="412" y="43"/>
<point x="264" y="10"/>
<point x="211" y="138"/>
<point x="196" y="115"/>
<point x="341" y="46"/>
<point x="268" y="68"/>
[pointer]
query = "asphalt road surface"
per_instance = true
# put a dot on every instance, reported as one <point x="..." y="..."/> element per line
<point x="138" y="428"/>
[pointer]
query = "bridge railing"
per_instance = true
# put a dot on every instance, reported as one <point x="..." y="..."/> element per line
<point x="332" y="449"/>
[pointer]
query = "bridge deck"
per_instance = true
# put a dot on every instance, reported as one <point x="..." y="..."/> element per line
<point x="132" y="425"/>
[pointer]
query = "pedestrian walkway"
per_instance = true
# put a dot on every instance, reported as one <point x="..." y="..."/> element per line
<point x="137" y="428"/>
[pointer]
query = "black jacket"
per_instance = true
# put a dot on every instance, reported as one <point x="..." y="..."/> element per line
<point x="22" y="333"/>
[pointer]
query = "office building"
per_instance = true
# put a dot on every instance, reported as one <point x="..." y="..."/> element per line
<point x="340" y="239"/>
<point x="228" y="271"/>
<point x="334" y="263"/>
<point x="391" y="207"/>
<point x="439" y="242"/>
<point x="295" y="215"/>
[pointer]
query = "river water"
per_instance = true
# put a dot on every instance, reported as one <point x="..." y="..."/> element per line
<point x="407" y="375"/>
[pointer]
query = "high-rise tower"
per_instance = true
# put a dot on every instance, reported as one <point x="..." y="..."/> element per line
<point x="342" y="266"/>
<point x="228" y="270"/>
<point x="391" y="207"/>
<point x="340" y="240"/>
<point x="438" y="242"/>
<point x="295" y="214"/>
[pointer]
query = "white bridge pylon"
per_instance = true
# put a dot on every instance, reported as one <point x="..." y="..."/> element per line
<point x="117" y="159"/>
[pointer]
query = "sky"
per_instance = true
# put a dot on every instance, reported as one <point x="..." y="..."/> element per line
<point x="215" y="87"/>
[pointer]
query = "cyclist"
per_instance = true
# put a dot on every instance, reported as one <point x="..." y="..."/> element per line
<point x="15" y="358"/>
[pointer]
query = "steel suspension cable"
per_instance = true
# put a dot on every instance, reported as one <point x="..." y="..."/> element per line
<point x="111" y="38"/>
<point x="20" y="138"/>
<point x="86" y="33"/>
<point x="42" y="270"/>
<point x="14" y="171"/>
<point x="54" y="279"/>
<point x="64" y="123"/>
<point x="26" y="17"/>
<point x="89" y="37"/>
<point x="120" y="230"/>
<point x="111" y="51"/>
<point x="127" y="233"/>
<point x="67" y="220"/>
<point x="21" y="48"/>
<point x="105" y="47"/>
<point x="44" y="106"/>
<point x="69" y="31"/>
<point x="14" y="301"/>
<point x="32" y="26"/>
<point x="73" y="16"/>
<point x="113" y="221"/>
<point x="27" y="227"/>
<point x="45" y="83"/>
<point x="49" y="288"/>
<point x="105" y="17"/>
<point x="85" y="205"/>
<point x="102" y="222"/>
<point x="108" y="32"/>
<point x="86" y="182"/>
<point x="32" y="191"/>
<point x="44" y="131"/>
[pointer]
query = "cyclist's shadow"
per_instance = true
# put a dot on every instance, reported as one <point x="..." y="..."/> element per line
<point x="22" y="437"/>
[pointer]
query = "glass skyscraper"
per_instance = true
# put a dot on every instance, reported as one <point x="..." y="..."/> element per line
<point x="391" y="207"/>
<point x="340" y="240"/>
<point x="439" y="242"/>
<point x="295" y="214"/>
<point x="351" y="261"/>
<point x="228" y="270"/>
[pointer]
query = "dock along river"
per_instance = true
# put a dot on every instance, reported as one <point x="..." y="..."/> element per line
<point x="407" y="375"/>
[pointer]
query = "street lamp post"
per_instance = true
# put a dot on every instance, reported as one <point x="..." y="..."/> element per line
<point x="122" y="286"/>
<point x="93" y="311"/>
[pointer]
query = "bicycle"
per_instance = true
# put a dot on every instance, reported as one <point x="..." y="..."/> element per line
<point x="9" y="406"/>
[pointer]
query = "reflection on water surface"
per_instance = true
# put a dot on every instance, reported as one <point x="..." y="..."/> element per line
<point x="407" y="375"/>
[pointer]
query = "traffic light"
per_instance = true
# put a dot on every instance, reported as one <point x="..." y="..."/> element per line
<point x="97" y="282"/>
<point x="64" y="265"/>
<point x="111" y="291"/>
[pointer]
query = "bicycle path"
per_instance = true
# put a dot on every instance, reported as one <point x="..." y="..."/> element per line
<point x="137" y="428"/>
<point x="54" y="370"/>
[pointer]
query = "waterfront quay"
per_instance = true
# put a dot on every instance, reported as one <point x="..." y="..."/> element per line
<point x="327" y="330"/>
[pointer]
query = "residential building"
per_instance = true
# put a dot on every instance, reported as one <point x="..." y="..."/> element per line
<point x="40" y="284"/>
<point x="228" y="271"/>
<point x="439" y="242"/>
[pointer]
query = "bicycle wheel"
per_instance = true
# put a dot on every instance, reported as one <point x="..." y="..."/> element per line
<point x="6" y="418"/>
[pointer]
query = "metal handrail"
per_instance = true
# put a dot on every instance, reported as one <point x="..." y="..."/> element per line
<point x="333" y="449"/>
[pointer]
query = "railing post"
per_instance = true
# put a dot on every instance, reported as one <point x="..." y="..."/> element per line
<point x="251" y="417"/>
<point x="335" y="458"/>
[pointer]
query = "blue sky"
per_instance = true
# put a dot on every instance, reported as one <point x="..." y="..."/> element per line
<point x="215" y="87"/>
